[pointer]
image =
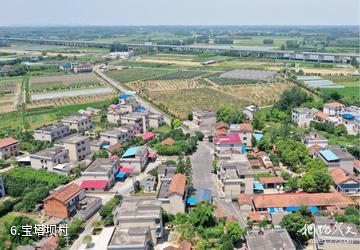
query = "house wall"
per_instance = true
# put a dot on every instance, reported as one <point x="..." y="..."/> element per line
<point x="349" y="187"/>
<point x="232" y="190"/>
<point x="55" y="208"/>
<point x="9" y="151"/>
<point x="177" y="204"/>
<point x="246" y="138"/>
<point x="78" y="151"/>
<point x="113" y="118"/>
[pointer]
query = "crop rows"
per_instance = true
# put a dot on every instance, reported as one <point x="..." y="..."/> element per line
<point x="163" y="85"/>
<point x="180" y="74"/>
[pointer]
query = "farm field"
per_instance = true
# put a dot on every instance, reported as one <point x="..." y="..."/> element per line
<point x="161" y="85"/>
<point x="70" y="93"/>
<point x="134" y="74"/>
<point x="64" y="101"/>
<point x="351" y="86"/>
<point x="346" y="92"/>
<point x="182" y="102"/>
<point x="58" y="82"/>
<point x="10" y="93"/>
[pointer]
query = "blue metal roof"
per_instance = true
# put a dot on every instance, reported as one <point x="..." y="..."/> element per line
<point x="106" y="146"/>
<point x="312" y="209"/>
<point x="258" y="186"/>
<point x="140" y="109"/>
<point x="131" y="151"/>
<point x="124" y="96"/>
<point x="275" y="209"/>
<point x="120" y="175"/>
<point x="329" y="155"/>
<point x="204" y="194"/>
<point x="192" y="200"/>
<point x="348" y="116"/>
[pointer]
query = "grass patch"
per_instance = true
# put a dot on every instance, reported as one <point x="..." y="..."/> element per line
<point x="129" y="75"/>
<point x="346" y="92"/>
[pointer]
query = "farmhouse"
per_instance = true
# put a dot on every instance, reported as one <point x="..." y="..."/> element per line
<point x="62" y="203"/>
<point x="138" y="118"/>
<point x="335" y="156"/>
<point x="249" y="111"/>
<point x="156" y="120"/>
<point x="8" y="147"/>
<point x="130" y="238"/>
<point x="235" y="176"/>
<point x="140" y="211"/>
<point x="221" y="128"/>
<point x="120" y="134"/>
<point x="228" y="144"/>
<point x="303" y="116"/>
<point x="345" y="182"/>
<point x="120" y="54"/>
<point x="49" y="158"/>
<point x="245" y="132"/>
<point x="204" y="118"/>
<point x="114" y="115"/>
<point x="172" y="194"/>
<point x="51" y="132"/>
<point x="314" y="139"/>
<point x="135" y="158"/>
<point x="100" y="175"/>
<point x="78" y="147"/>
<point x="166" y="172"/>
<point x="333" y="108"/>
<point x="78" y="123"/>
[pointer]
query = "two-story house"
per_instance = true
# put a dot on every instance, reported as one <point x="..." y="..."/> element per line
<point x="51" y="132"/>
<point x="78" y="147"/>
<point x="77" y="122"/>
<point x="49" y="158"/>
<point x="9" y="147"/>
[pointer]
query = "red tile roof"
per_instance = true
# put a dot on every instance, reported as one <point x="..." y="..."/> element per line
<point x="272" y="179"/>
<point x="168" y="142"/>
<point x="246" y="127"/>
<point x="339" y="176"/>
<point x="314" y="148"/>
<point x="221" y="125"/>
<point x="177" y="185"/>
<point x="96" y="184"/>
<point x="147" y="136"/>
<point x="296" y="199"/>
<point x="320" y="116"/>
<point x="7" y="141"/>
<point x="254" y="216"/>
<point x="232" y="138"/>
<point x="221" y="131"/>
<point x="114" y="147"/>
<point x="334" y="104"/>
<point x="357" y="164"/>
<point x="65" y="193"/>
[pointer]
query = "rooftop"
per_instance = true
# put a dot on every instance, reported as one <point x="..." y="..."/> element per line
<point x="75" y="139"/>
<point x="232" y="138"/>
<point x="131" y="151"/>
<point x="340" y="152"/>
<point x="7" y="141"/>
<point x="129" y="238"/>
<point x="50" y="152"/>
<point x="272" y="179"/>
<point x="139" y="207"/>
<point x="178" y="184"/>
<point x="269" y="239"/>
<point x="51" y="127"/>
<point x="339" y="176"/>
<point x="65" y="193"/>
<point x="296" y="199"/>
<point x="334" y="104"/>
<point x="75" y="118"/>
<point x="328" y="155"/>
<point x="101" y="165"/>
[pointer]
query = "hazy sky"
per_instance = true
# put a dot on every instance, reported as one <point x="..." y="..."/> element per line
<point x="178" y="12"/>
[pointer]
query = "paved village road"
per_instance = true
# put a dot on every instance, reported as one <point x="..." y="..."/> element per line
<point x="201" y="167"/>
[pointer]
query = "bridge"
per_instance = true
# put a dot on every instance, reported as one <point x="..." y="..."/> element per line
<point x="242" y="51"/>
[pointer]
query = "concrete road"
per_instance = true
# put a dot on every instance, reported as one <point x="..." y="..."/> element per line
<point x="201" y="167"/>
<point x="122" y="89"/>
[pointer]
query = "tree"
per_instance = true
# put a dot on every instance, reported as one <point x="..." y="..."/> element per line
<point x="340" y="130"/>
<point x="116" y="46"/>
<point x="15" y="225"/>
<point x="291" y="185"/>
<point x="202" y="215"/>
<point x="87" y="240"/>
<point x="308" y="184"/>
<point x="199" y="135"/>
<point x="233" y="231"/>
<point x="294" y="224"/>
<point x="230" y="115"/>
<point x="259" y="120"/>
<point x="175" y="123"/>
<point x="227" y="245"/>
<point x="292" y="98"/>
<point x="268" y="41"/>
<point x="316" y="178"/>
<point x="190" y="117"/>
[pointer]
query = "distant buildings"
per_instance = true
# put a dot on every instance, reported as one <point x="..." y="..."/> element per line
<point x="52" y="132"/>
<point x="77" y="67"/>
<point x="9" y="147"/>
<point x="120" y="54"/>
